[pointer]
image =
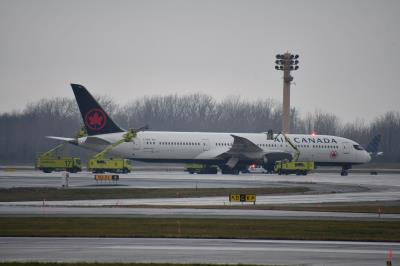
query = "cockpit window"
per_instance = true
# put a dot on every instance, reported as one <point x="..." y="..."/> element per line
<point x="358" y="147"/>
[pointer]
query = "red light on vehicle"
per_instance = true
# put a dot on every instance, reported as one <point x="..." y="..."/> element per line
<point x="253" y="165"/>
<point x="313" y="134"/>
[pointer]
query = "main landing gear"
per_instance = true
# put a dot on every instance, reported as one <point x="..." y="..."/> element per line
<point x="345" y="170"/>
<point x="226" y="170"/>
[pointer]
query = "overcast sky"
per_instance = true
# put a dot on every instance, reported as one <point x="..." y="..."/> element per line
<point x="349" y="51"/>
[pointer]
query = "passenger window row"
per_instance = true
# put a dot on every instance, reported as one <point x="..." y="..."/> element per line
<point x="326" y="146"/>
<point x="180" y="143"/>
<point x="223" y="144"/>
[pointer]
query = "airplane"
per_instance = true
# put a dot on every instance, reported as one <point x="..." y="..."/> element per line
<point x="231" y="152"/>
<point x="372" y="147"/>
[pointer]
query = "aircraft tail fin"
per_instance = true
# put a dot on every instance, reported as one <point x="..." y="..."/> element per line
<point x="373" y="146"/>
<point x="95" y="119"/>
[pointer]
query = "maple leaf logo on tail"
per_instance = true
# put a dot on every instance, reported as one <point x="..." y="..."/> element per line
<point x="95" y="119"/>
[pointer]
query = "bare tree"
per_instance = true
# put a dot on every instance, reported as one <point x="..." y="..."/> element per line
<point x="22" y="134"/>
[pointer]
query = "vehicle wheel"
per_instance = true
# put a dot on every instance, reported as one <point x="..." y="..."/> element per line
<point x="344" y="173"/>
<point x="47" y="170"/>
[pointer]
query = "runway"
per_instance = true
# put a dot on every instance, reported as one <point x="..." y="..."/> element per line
<point x="226" y="251"/>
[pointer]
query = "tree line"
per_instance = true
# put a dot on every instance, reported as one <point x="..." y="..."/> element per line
<point x="22" y="133"/>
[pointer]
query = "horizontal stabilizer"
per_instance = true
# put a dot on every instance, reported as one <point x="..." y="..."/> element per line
<point x="69" y="140"/>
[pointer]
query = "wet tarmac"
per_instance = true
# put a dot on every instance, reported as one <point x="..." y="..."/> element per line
<point x="326" y="188"/>
<point x="222" y="251"/>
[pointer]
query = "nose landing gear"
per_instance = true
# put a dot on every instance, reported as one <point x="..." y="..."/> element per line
<point x="345" y="170"/>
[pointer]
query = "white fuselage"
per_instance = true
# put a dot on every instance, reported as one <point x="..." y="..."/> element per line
<point x="205" y="146"/>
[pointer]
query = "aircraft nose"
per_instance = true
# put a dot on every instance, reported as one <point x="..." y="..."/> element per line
<point x="367" y="157"/>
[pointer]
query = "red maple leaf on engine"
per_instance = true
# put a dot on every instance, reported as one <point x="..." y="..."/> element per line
<point x="95" y="119"/>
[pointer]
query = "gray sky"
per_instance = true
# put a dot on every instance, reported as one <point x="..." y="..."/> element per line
<point x="349" y="51"/>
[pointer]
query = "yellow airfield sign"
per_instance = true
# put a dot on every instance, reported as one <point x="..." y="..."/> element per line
<point x="242" y="197"/>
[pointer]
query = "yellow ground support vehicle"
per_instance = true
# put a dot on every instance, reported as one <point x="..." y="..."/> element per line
<point x="100" y="164"/>
<point x="201" y="168"/>
<point x="298" y="168"/>
<point x="111" y="165"/>
<point x="48" y="163"/>
<point x="294" y="166"/>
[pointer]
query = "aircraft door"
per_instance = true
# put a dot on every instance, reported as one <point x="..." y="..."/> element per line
<point x="346" y="147"/>
<point x="206" y="144"/>
<point x="149" y="145"/>
<point x="136" y="144"/>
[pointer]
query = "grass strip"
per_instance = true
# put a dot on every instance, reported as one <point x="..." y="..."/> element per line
<point x="358" y="209"/>
<point x="382" y="207"/>
<point x="38" y="194"/>
<point x="201" y="228"/>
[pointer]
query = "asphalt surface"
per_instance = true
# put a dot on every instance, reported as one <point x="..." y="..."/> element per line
<point x="24" y="211"/>
<point x="198" y="251"/>
<point x="156" y="179"/>
<point x="179" y="179"/>
<point x="327" y="188"/>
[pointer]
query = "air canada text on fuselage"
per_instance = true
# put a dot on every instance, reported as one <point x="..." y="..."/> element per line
<point x="308" y="140"/>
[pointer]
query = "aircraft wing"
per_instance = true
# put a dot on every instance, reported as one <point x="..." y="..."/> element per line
<point x="241" y="145"/>
<point x="241" y="148"/>
<point x="244" y="149"/>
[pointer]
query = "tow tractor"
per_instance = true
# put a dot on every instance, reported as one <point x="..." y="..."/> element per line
<point x="294" y="166"/>
<point x="100" y="164"/>
<point x="48" y="162"/>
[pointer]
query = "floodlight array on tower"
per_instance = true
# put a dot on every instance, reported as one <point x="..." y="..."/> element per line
<point x="287" y="61"/>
